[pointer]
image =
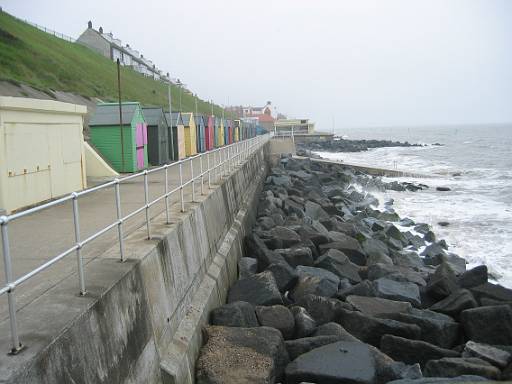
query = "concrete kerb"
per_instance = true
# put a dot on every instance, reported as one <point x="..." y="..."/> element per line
<point x="148" y="283"/>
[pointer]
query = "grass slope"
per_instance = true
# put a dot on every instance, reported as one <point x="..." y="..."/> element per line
<point x="45" y="62"/>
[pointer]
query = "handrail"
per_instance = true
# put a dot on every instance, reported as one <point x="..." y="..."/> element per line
<point x="228" y="157"/>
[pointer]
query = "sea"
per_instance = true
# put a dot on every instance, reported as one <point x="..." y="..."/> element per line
<point x="475" y="162"/>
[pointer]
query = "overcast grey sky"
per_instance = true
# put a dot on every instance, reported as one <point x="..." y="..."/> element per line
<point x="359" y="62"/>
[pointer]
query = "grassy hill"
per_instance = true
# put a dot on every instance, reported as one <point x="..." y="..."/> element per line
<point x="45" y="62"/>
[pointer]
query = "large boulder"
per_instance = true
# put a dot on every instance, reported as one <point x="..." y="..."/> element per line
<point x="364" y="288"/>
<point x="341" y="362"/>
<point x="465" y="379"/>
<point x="474" y="277"/>
<point x="314" y="285"/>
<point x="490" y="325"/>
<point x="318" y="272"/>
<point x="413" y="351"/>
<point x="492" y="291"/>
<point x="285" y="276"/>
<point x="236" y="314"/>
<point x="495" y="356"/>
<point x="409" y="259"/>
<point x="247" y="266"/>
<point x="397" y="273"/>
<point x="334" y="329"/>
<point x="298" y="255"/>
<point x="455" y="303"/>
<point x="375" y="306"/>
<point x="309" y="233"/>
<point x="314" y="210"/>
<point x="349" y="246"/>
<point x="259" y="289"/>
<point x="284" y="237"/>
<point x="457" y="366"/>
<point x="300" y="346"/>
<point x="443" y="282"/>
<point x="278" y="317"/>
<point x="305" y="325"/>
<point x="371" y="329"/>
<point x="436" y="328"/>
<point x="338" y="263"/>
<point x="322" y="309"/>
<point x="241" y="356"/>
<point x="399" y="291"/>
<point x="256" y="247"/>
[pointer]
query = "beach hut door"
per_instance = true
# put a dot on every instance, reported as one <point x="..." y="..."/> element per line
<point x="141" y="139"/>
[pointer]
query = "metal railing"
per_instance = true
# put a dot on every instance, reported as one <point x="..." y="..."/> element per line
<point x="44" y="29"/>
<point x="213" y="165"/>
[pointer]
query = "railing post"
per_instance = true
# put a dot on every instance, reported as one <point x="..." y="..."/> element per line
<point x="79" y="260"/>
<point x="192" y="180"/>
<point x="167" y="216"/>
<point x="202" y="173"/>
<point x="181" y="187"/>
<point x="120" y="219"/>
<point x="209" y="170"/>
<point x="146" y="202"/>
<point x="16" y="346"/>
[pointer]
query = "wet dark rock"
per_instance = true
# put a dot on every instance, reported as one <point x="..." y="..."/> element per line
<point x="298" y="255"/>
<point x="443" y="189"/>
<point x="318" y="272"/>
<point x="432" y="251"/>
<point x="300" y="346"/>
<point x="489" y="325"/>
<point x="340" y="362"/>
<point x="395" y="290"/>
<point x="364" y="288"/>
<point x="256" y="247"/>
<point x="443" y="223"/>
<point x="278" y="317"/>
<point x="474" y="277"/>
<point x="377" y="252"/>
<point x="422" y="228"/>
<point x="374" y="306"/>
<point x="247" y="266"/>
<point x="259" y="289"/>
<point x="457" y="366"/>
<point x="236" y="314"/>
<point x="455" y="303"/>
<point x="234" y="355"/>
<point x="443" y="282"/>
<point x="413" y="351"/>
<point x="285" y="276"/>
<point x="492" y="291"/>
<point x="349" y="247"/>
<point x="409" y="259"/>
<point x="430" y="237"/>
<point x="305" y="325"/>
<point x="314" y="285"/>
<point x="467" y="379"/>
<point x="436" y="328"/>
<point x="338" y="263"/>
<point x="407" y="222"/>
<point x="322" y="309"/>
<point x="330" y="329"/>
<point x="395" y="273"/>
<point x="314" y="210"/>
<point x="371" y="329"/>
<point x="495" y="356"/>
<point x="309" y="233"/>
<point x="285" y="237"/>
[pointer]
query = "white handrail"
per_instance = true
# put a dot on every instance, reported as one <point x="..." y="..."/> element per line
<point x="228" y="157"/>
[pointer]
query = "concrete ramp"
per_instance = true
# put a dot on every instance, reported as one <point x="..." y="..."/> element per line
<point x="95" y="166"/>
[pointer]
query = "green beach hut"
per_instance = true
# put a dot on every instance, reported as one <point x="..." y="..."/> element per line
<point x="105" y="135"/>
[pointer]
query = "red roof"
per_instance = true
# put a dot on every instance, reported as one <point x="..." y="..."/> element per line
<point x="264" y="118"/>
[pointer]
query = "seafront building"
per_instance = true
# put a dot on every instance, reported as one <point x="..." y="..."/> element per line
<point x="297" y="126"/>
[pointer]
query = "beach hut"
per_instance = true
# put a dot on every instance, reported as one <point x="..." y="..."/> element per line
<point x="176" y="142"/>
<point x="158" y="135"/>
<point x="190" y="133"/>
<point x="222" y="129"/>
<point x="106" y="132"/>
<point x="230" y="131"/>
<point x="200" y="132"/>
<point x="236" y="130"/>
<point x="219" y="132"/>
<point x="209" y="132"/>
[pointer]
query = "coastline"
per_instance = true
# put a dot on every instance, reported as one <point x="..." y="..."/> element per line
<point x="325" y="270"/>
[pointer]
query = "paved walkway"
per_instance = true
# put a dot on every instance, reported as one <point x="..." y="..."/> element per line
<point x="37" y="238"/>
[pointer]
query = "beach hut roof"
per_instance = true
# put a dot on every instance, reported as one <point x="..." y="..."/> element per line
<point x="108" y="113"/>
<point x="186" y="118"/>
<point x="177" y="118"/>
<point x="200" y="119"/>
<point x="152" y="115"/>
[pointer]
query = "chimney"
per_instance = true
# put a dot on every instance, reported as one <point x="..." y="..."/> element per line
<point x="89" y="24"/>
<point x="101" y="30"/>
<point x="127" y="45"/>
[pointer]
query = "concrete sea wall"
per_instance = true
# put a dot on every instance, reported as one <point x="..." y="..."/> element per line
<point x="143" y="324"/>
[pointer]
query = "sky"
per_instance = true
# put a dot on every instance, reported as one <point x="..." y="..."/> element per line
<point x="340" y="63"/>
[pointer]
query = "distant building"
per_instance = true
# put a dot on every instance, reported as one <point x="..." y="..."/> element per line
<point x="113" y="49"/>
<point x="298" y="126"/>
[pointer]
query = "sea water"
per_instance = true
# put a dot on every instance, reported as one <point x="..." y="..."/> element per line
<point x="475" y="162"/>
